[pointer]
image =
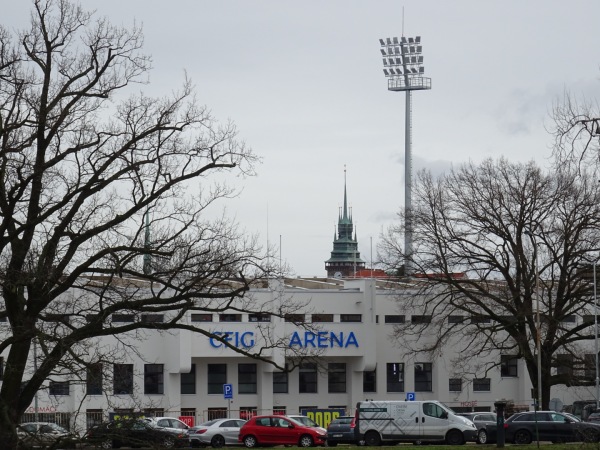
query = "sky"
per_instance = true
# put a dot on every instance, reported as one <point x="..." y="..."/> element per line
<point x="303" y="81"/>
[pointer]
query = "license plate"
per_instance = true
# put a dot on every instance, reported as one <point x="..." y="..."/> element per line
<point x="337" y="435"/>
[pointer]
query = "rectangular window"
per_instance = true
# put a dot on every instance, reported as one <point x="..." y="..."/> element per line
<point x="336" y="377"/>
<point x="152" y="318"/>
<point x="59" y="388"/>
<point x="247" y="378"/>
<point x="564" y="365"/>
<point x="94" y="379"/>
<point x="279" y="411"/>
<point x="588" y="319"/>
<point x="280" y="382"/>
<point x="508" y="366"/>
<point x="58" y="318"/>
<point x="154" y="379"/>
<point x="395" y="377"/>
<point x="294" y="318"/>
<point x="93" y="417"/>
<point x="122" y="379"/>
<point x="230" y="317"/>
<point x="248" y="412"/>
<point x="589" y="367"/>
<point x="217" y="413"/>
<point x="482" y="385"/>
<point x="322" y="318"/>
<point x="308" y="378"/>
<point x="202" y="317"/>
<point x="128" y="318"/>
<point x="416" y="319"/>
<point x="455" y="384"/>
<point x="456" y="319"/>
<point x="350" y="317"/>
<point x="569" y="319"/>
<point x="259" y="317"/>
<point x="423" y="377"/>
<point x="188" y="381"/>
<point x="478" y="319"/>
<point x="217" y="377"/>
<point x="394" y="318"/>
<point x="370" y="381"/>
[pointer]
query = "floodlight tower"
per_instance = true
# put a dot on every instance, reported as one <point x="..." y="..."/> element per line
<point x="404" y="70"/>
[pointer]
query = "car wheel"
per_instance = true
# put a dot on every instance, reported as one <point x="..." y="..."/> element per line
<point x="250" y="442"/>
<point x="372" y="438"/>
<point x="106" y="444"/>
<point x="305" y="441"/>
<point x="455" y="437"/>
<point x="168" y="442"/>
<point x="482" y="436"/>
<point x="217" y="441"/>
<point x="522" y="437"/>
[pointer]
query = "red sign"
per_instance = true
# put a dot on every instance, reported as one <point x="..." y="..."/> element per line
<point x="188" y="420"/>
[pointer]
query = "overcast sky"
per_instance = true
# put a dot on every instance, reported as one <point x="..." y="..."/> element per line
<point x="303" y="81"/>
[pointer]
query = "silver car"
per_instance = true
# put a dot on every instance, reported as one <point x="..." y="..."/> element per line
<point x="216" y="433"/>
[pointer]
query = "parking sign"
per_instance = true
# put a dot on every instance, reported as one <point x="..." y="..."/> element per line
<point x="228" y="390"/>
<point x="410" y="396"/>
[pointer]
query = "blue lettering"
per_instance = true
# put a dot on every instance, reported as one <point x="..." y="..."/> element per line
<point x="351" y="340"/>
<point x="213" y="342"/>
<point x="235" y="338"/>
<point x="247" y="343"/>
<point x="295" y="340"/>
<point x="322" y="339"/>
<point x="309" y="338"/>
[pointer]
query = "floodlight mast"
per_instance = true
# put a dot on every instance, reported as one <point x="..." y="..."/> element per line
<point x="403" y="67"/>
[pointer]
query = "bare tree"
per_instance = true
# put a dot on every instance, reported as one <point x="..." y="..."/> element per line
<point x="85" y="173"/>
<point x="481" y="233"/>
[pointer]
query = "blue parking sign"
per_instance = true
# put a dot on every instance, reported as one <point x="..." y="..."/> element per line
<point x="228" y="390"/>
<point x="410" y="396"/>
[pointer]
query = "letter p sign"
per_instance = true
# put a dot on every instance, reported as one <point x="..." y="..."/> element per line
<point x="228" y="390"/>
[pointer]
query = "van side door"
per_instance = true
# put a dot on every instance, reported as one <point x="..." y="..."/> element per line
<point x="406" y="423"/>
<point x="434" y="421"/>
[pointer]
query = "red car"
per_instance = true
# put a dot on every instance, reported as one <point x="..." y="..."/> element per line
<point x="279" y="430"/>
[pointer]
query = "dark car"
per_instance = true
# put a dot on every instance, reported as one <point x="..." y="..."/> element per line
<point x="520" y="428"/>
<point x="42" y="434"/>
<point x="481" y="421"/>
<point x="594" y="417"/>
<point x="134" y="433"/>
<point x="279" y="430"/>
<point x="341" y="431"/>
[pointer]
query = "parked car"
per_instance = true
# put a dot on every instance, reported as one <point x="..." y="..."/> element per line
<point x="279" y="430"/>
<point x="134" y="432"/>
<point x="520" y="428"/>
<point x="42" y="434"/>
<point x="306" y="421"/>
<point x="216" y="433"/>
<point x="481" y="420"/>
<point x="341" y="431"/>
<point x="168" y="423"/>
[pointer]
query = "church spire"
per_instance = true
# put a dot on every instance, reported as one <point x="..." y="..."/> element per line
<point x="345" y="218"/>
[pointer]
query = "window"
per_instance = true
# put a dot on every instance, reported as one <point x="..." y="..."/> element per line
<point x="423" y="377"/>
<point x="246" y="413"/>
<point x="93" y="417"/>
<point x="370" y="381"/>
<point x="589" y="366"/>
<point x="587" y="319"/>
<point x="217" y="377"/>
<point x="420" y="319"/>
<point x="123" y="318"/>
<point x="259" y="317"/>
<point x="478" y="319"/>
<point x="217" y="413"/>
<point x="321" y="318"/>
<point x="154" y="379"/>
<point x="308" y="378"/>
<point x="279" y="411"/>
<point x="350" y="318"/>
<point x="94" y="379"/>
<point x="434" y="410"/>
<point x="122" y="379"/>
<point x="58" y="318"/>
<point x="481" y="385"/>
<point x="247" y="378"/>
<point x="202" y="317"/>
<point x="508" y="366"/>
<point x="455" y="384"/>
<point x="456" y="319"/>
<point x="336" y="377"/>
<point x="280" y="382"/>
<point x="188" y="381"/>
<point x="294" y="318"/>
<point x="395" y="377"/>
<point x="564" y="365"/>
<point x="569" y="319"/>
<point x="152" y="318"/>
<point x="394" y="318"/>
<point x="59" y="388"/>
<point x="230" y="317"/>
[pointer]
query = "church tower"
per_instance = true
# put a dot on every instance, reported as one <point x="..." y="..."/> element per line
<point x="345" y="258"/>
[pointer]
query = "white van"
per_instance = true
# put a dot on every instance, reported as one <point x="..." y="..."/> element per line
<point x="410" y="421"/>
